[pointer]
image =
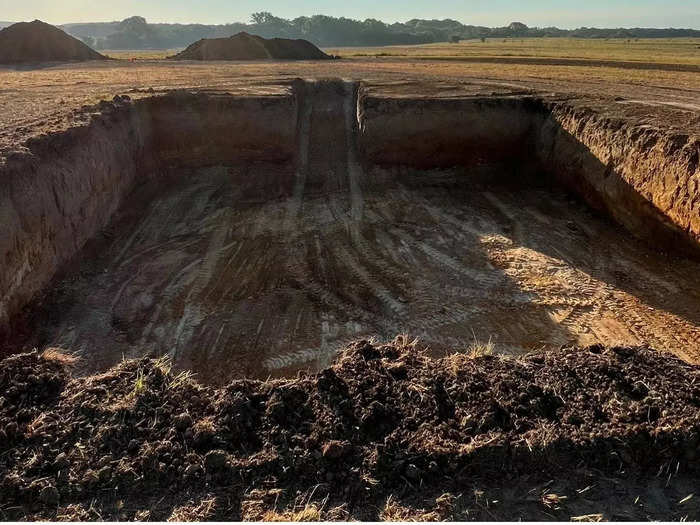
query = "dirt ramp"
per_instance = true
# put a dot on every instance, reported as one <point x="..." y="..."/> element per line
<point x="31" y="42"/>
<point x="244" y="46"/>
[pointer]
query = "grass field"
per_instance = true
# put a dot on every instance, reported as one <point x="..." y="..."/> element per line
<point x="148" y="54"/>
<point x="671" y="50"/>
<point x="651" y="50"/>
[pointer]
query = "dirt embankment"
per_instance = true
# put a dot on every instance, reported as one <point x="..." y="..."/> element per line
<point x="647" y="179"/>
<point x="33" y="42"/>
<point x="243" y="46"/>
<point x="65" y="187"/>
<point x="385" y="432"/>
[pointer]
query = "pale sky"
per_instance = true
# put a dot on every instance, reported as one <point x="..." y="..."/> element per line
<point x="564" y="14"/>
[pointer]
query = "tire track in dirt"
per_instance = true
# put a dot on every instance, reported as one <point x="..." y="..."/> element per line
<point x="301" y="172"/>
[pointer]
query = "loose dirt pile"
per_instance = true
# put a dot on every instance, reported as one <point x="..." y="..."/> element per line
<point x="385" y="433"/>
<point x="30" y="42"/>
<point x="243" y="46"/>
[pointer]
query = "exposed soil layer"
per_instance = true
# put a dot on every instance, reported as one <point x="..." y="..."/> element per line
<point x="34" y="42"/>
<point x="383" y="433"/>
<point x="243" y="46"/>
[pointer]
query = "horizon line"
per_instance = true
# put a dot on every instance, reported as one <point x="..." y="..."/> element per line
<point x="567" y="28"/>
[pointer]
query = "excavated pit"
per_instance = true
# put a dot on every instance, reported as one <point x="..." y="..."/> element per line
<point x="255" y="236"/>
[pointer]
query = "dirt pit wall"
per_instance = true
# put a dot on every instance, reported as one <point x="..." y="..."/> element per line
<point x="646" y="179"/>
<point x="64" y="188"/>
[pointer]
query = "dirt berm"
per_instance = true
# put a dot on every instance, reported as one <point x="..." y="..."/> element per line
<point x="384" y="433"/>
<point x="33" y="42"/>
<point x="243" y="46"/>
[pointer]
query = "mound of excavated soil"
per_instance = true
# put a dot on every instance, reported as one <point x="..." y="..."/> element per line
<point x="29" y="42"/>
<point x="243" y="46"/>
<point x="384" y="433"/>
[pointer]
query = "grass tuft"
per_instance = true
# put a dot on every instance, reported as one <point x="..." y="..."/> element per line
<point x="201" y="512"/>
<point x="588" y="518"/>
<point x="310" y="512"/>
<point x="140" y="383"/>
<point x="480" y="348"/>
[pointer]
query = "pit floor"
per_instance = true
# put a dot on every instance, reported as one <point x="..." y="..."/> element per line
<point x="247" y="271"/>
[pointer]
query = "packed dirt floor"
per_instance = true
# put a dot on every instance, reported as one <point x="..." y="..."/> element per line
<point x="213" y="270"/>
<point x="385" y="433"/>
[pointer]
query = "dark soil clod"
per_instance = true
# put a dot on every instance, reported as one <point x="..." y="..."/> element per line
<point x="384" y="424"/>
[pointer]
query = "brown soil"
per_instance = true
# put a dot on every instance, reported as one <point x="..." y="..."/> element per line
<point x="273" y="267"/>
<point x="386" y="432"/>
<point x="31" y="42"/>
<point x="285" y="286"/>
<point x="243" y="46"/>
<point x="45" y="101"/>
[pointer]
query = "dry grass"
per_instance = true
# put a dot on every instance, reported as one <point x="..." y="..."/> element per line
<point x="648" y="50"/>
<point x="310" y="512"/>
<point x="202" y="511"/>
<point x="667" y="50"/>
<point x="552" y="501"/>
<point x="456" y="362"/>
<point x="204" y="425"/>
<point x="588" y="518"/>
<point x="147" y="54"/>
<point x="60" y="356"/>
<point x="481" y="348"/>
<point x="443" y="510"/>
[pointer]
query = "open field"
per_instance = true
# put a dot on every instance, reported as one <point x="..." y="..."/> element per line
<point x="151" y="54"/>
<point x="652" y="50"/>
<point x="669" y="51"/>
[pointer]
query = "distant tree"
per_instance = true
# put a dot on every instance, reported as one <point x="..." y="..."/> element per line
<point x="136" y="33"/>
<point x="262" y="17"/>
<point x="134" y="23"/>
<point x="517" y="27"/>
<point x="455" y="39"/>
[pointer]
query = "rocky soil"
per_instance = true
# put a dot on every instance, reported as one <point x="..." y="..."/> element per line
<point x="384" y="433"/>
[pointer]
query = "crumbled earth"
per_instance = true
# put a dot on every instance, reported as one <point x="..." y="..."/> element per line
<point x="30" y="42"/>
<point x="384" y="433"/>
<point x="243" y="46"/>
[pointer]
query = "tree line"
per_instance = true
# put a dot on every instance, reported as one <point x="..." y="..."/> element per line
<point x="326" y="31"/>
